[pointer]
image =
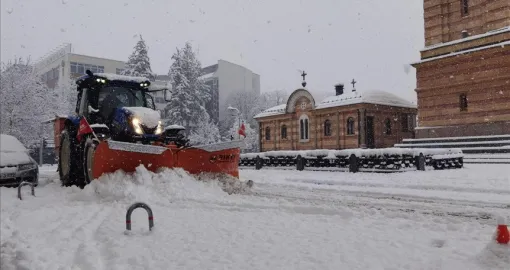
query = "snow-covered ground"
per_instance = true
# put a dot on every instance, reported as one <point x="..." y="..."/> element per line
<point x="289" y="220"/>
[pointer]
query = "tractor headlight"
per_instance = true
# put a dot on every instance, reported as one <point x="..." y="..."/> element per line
<point x="159" y="129"/>
<point x="136" y="125"/>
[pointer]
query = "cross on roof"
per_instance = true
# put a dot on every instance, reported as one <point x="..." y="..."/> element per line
<point x="303" y="75"/>
<point x="353" y="82"/>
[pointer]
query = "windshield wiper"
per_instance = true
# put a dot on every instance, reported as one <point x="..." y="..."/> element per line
<point x="133" y="93"/>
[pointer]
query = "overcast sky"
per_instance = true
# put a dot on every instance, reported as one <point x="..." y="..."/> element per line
<point x="333" y="40"/>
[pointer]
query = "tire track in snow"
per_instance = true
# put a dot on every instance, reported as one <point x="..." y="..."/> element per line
<point x="90" y="246"/>
<point x="484" y="212"/>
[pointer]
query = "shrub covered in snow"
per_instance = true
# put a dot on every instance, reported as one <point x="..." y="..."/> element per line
<point x="384" y="158"/>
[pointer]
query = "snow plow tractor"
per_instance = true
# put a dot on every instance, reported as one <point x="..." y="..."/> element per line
<point x="117" y="127"/>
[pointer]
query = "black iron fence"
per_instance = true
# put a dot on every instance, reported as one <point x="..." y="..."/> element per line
<point x="357" y="160"/>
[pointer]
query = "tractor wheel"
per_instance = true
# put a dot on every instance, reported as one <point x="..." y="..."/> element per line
<point x="88" y="161"/>
<point x="67" y="166"/>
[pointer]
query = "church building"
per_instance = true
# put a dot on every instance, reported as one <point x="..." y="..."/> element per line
<point x="463" y="77"/>
<point x="347" y="119"/>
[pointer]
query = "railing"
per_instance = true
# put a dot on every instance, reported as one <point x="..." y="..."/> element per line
<point x="357" y="160"/>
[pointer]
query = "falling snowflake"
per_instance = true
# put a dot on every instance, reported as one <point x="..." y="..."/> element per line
<point x="64" y="2"/>
<point x="10" y="10"/>
<point x="500" y="92"/>
<point x="62" y="30"/>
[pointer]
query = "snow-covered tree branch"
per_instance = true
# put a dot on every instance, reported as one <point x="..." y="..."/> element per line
<point x="25" y="102"/>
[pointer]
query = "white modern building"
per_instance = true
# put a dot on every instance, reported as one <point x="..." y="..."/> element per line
<point x="226" y="79"/>
<point x="63" y="63"/>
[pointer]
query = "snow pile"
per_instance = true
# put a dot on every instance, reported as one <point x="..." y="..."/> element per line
<point x="164" y="187"/>
<point x="143" y="185"/>
<point x="148" y="117"/>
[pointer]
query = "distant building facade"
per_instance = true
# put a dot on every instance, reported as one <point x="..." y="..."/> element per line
<point x="371" y="119"/>
<point x="61" y="63"/>
<point x="224" y="80"/>
<point x="463" y="78"/>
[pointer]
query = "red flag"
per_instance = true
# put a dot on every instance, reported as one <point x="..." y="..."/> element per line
<point x="241" y="130"/>
<point x="83" y="129"/>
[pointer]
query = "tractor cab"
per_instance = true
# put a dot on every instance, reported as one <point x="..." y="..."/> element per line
<point x="118" y="106"/>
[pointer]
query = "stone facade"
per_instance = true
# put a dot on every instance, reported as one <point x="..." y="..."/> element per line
<point x="355" y="122"/>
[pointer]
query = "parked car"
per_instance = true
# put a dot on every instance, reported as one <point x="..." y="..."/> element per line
<point x="16" y="165"/>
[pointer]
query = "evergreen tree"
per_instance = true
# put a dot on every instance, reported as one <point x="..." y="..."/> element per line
<point x="189" y="92"/>
<point x="138" y="64"/>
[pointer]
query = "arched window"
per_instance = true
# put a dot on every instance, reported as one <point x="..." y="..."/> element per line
<point x="303" y="127"/>
<point x="268" y="134"/>
<point x="327" y="128"/>
<point x="350" y="126"/>
<point x="284" y="132"/>
<point x="387" y="126"/>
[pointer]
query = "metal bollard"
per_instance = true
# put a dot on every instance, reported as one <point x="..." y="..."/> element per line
<point x="24" y="184"/>
<point x="353" y="164"/>
<point x="420" y="162"/>
<point x="133" y="207"/>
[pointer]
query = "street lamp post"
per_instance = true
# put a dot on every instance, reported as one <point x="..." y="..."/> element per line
<point x="238" y="113"/>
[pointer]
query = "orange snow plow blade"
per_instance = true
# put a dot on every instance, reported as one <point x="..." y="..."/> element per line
<point x="221" y="158"/>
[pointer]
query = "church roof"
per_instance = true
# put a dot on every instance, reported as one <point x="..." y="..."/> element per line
<point x="276" y="110"/>
<point x="372" y="97"/>
<point x="377" y="97"/>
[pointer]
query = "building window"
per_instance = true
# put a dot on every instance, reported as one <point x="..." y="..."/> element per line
<point x="464" y="6"/>
<point x="327" y="128"/>
<point x="387" y="126"/>
<point x="405" y="123"/>
<point x="303" y="127"/>
<point x="80" y="68"/>
<point x="463" y="100"/>
<point x="268" y="134"/>
<point x="284" y="132"/>
<point x="303" y="105"/>
<point x="350" y="126"/>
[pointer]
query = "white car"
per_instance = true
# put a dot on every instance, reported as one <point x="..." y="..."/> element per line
<point x="16" y="165"/>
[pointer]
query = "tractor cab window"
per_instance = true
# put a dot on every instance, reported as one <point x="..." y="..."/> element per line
<point x="111" y="97"/>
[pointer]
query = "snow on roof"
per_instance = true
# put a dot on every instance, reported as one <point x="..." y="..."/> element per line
<point x="501" y="44"/>
<point x="490" y="33"/>
<point x="117" y="77"/>
<point x="276" y="110"/>
<point x="373" y="97"/>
